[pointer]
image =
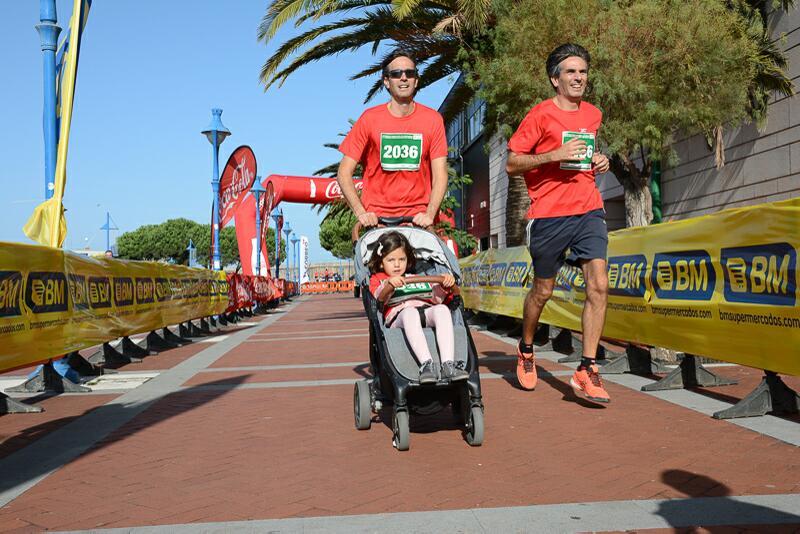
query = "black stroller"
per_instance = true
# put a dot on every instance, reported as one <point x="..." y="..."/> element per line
<point x="395" y="371"/>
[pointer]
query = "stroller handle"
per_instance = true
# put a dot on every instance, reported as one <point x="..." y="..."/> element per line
<point x="385" y="221"/>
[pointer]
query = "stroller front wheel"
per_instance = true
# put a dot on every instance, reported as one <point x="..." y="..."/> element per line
<point x="474" y="434"/>
<point x="400" y="433"/>
<point x="362" y="405"/>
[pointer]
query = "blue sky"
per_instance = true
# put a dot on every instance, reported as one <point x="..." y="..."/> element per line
<point x="149" y="75"/>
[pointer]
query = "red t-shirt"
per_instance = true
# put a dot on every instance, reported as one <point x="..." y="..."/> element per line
<point x="555" y="191"/>
<point x="396" y="154"/>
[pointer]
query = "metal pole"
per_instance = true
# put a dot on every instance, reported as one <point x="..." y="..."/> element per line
<point x="258" y="236"/>
<point x="217" y="263"/>
<point x="108" y="231"/>
<point x="48" y="35"/>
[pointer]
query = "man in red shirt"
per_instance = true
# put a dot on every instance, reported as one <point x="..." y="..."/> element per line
<point x="554" y="149"/>
<point x="403" y="149"/>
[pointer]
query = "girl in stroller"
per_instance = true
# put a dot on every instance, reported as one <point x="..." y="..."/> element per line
<point x="412" y="306"/>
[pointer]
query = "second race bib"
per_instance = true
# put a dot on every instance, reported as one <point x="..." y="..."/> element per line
<point x="401" y="151"/>
<point x="584" y="163"/>
<point x="419" y="290"/>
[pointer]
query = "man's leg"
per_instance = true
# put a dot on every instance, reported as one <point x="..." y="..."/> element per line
<point x="594" y="310"/>
<point x="535" y="300"/>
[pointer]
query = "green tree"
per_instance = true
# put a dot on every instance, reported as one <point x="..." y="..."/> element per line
<point x="168" y="242"/>
<point x="659" y="67"/>
<point x="434" y="31"/>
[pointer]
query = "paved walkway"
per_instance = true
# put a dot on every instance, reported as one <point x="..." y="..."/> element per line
<point x="253" y="431"/>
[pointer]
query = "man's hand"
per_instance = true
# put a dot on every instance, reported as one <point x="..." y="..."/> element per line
<point x="368" y="219"/>
<point x="423" y="220"/>
<point x="449" y="280"/>
<point x="396" y="281"/>
<point x="570" y="151"/>
<point x="600" y="162"/>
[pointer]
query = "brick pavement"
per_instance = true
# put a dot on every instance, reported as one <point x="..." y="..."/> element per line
<point x="224" y="453"/>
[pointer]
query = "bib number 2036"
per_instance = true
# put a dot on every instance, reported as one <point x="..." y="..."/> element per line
<point x="584" y="161"/>
<point x="401" y="151"/>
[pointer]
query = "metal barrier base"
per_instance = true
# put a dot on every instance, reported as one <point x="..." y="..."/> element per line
<point x="108" y="355"/>
<point x="565" y="343"/>
<point x="771" y="395"/>
<point x="635" y="360"/>
<point x="9" y="405"/>
<point x="205" y="327"/>
<point x="170" y="336"/>
<point x="83" y="366"/>
<point x="213" y="322"/>
<point x="48" y="379"/>
<point x="133" y="350"/>
<point x="222" y="321"/>
<point x="157" y="343"/>
<point x="689" y="374"/>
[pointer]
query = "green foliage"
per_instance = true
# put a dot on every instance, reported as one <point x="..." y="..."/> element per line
<point x="433" y="31"/>
<point x="658" y="67"/>
<point x="336" y="230"/>
<point x="168" y="242"/>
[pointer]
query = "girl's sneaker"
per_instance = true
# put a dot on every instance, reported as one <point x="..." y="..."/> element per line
<point x="526" y="368"/>
<point x="426" y="374"/>
<point x="587" y="381"/>
<point x="453" y="373"/>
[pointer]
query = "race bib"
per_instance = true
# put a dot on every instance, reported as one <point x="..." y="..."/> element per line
<point x="419" y="290"/>
<point x="401" y="151"/>
<point x="584" y="163"/>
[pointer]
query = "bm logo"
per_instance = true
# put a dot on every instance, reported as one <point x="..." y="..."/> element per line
<point x="46" y="292"/>
<point x="123" y="291"/>
<point x="761" y="274"/>
<point x="626" y="275"/>
<point x="99" y="292"/>
<point x="10" y="293"/>
<point x="687" y="275"/>
<point x="145" y="290"/>
<point x="78" y="292"/>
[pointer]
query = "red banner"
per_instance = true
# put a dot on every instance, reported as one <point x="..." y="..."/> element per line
<point x="246" y="291"/>
<point x="237" y="177"/>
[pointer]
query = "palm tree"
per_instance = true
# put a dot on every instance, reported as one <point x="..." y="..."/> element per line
<point x="432" y="30"/>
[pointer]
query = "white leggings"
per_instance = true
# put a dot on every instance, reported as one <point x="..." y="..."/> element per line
<point x="439" y="318"/>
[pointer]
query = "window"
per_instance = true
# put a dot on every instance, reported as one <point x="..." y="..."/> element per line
<point x="455" y="135"/>
<point x="475" y="112"/>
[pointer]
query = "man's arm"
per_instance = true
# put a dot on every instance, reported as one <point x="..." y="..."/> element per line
<point x="345" y="178"/>
<point x="518" y="164"/>
<point x="438" y="190"/>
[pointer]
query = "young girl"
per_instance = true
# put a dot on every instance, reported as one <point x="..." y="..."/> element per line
<point x="412" y="306"/>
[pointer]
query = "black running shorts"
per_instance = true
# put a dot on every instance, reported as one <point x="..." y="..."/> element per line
<point x="555" y="240"/>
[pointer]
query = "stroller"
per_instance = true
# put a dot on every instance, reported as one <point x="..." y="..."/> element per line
<point x="395" y="371"/>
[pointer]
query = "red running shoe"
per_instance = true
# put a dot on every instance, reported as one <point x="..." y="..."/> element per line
<point x="587" y="381"/>
<point x="526" y="369"/>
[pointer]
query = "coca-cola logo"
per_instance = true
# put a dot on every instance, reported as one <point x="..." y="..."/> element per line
<point x="237" y="177"/>
<point x="334" y="191"/>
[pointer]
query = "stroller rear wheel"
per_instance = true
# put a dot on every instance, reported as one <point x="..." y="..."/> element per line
<point x="400" y="433"/>
<point x="362" y="405"/>
<point x="474" y="433"/>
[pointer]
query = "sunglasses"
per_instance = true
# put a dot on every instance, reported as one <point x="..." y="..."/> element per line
<point x="396" y="74"/>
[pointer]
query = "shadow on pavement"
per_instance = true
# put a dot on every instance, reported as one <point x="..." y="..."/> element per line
<point x="95" y="429"/>
<point x="702" y="489"/>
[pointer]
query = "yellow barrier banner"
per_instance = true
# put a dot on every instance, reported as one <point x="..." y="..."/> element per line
<point x="722" y="286"/>
<point x="53" y="302"/>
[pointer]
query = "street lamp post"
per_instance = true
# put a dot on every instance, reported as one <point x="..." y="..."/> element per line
<point x="276" y="217"/>
<point x="192" y="254"/>
<point x="257" y="190"/>
<point x="48" y="35"/>
<point x="216" y="134"/>
<point x="107" y="227"/>
<point x="296" y="251"/>
<point x="287" y="231"/>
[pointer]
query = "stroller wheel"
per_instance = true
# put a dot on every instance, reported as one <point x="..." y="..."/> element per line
<point x="400" y="434"/>
<point x="474" y="433"/>
<point x="362" y="405"/>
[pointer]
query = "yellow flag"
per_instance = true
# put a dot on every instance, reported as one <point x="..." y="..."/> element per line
<point x="48" y="225"/>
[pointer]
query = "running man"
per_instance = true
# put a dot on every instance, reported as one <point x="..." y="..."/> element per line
<point x="554" y="149"/>
<point x="403" y="148"/>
